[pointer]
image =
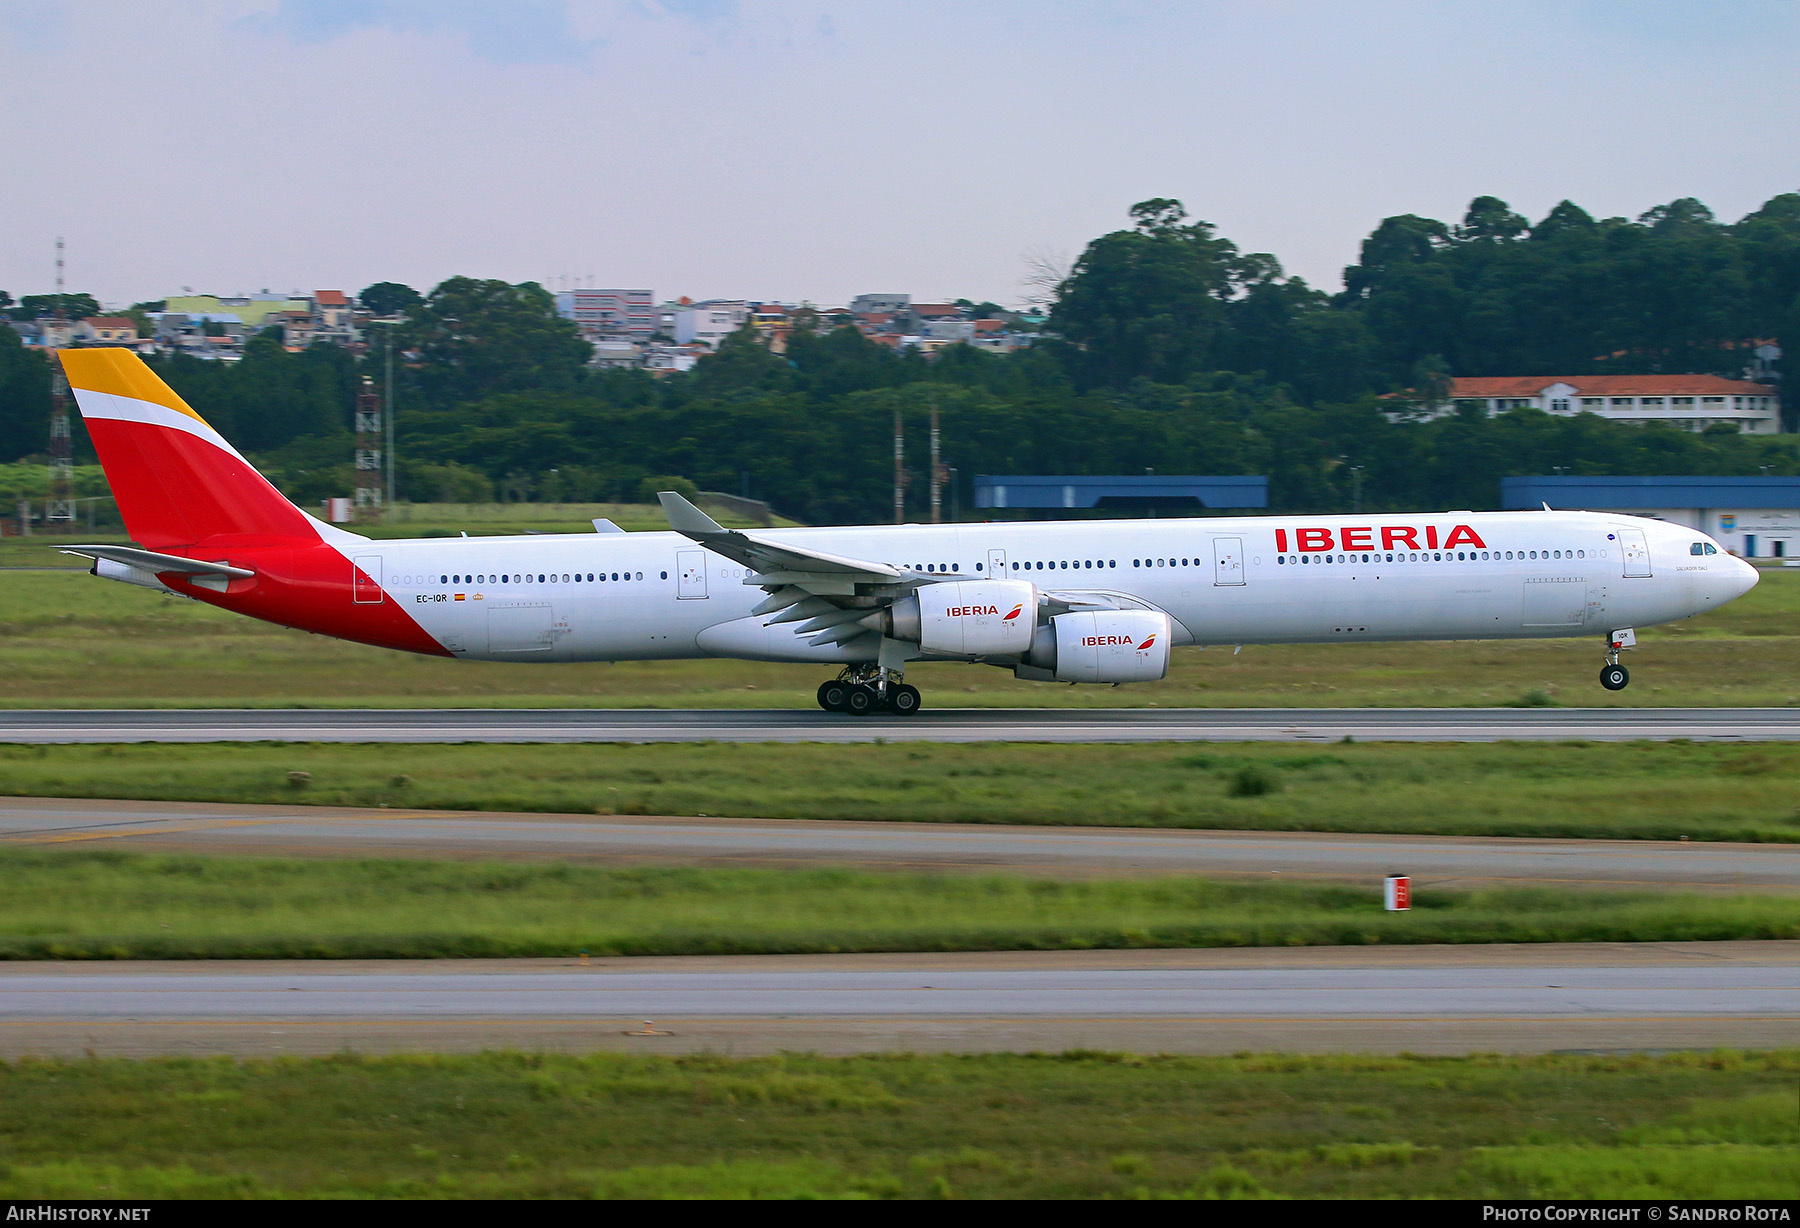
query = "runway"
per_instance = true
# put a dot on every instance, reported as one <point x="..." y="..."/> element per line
<point x="1459" y="861"/>
<point x="946" y="725"/>
<point x="1453" y="999"/>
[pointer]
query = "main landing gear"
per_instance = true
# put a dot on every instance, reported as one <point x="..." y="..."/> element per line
<point x="861" y="690"/>
<point x="1613" y="676"/>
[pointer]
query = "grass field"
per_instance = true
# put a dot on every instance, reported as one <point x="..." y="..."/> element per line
<point x="1078" y="1125"/>
<point x="69" y="640"/>
<point x="1642" y="790"/>
<point x="88" y="905"/>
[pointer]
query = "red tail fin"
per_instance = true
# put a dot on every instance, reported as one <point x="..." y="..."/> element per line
<point x="177" y="481"/>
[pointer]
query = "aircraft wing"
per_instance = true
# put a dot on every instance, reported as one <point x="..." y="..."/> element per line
<point x="835" y="599"/>
<point x="778" y="564"/>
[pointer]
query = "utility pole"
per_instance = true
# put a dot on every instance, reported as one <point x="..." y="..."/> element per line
<point x="388" y="404"/>
<point x="60" y="506"/>
<point x="937" y="469"/>
<point x="899" y="470"/>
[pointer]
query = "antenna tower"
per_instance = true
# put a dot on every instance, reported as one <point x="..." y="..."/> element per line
<point x="368" y="453"/>
<point x="59" y="507"/>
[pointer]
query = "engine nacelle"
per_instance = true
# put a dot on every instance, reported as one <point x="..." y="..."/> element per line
<point x="977" y="618"/>
<point x="1103" y="646"/>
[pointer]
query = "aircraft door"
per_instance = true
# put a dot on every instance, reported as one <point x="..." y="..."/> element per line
<point x="1636" y="552"/>
<point x="996" y="564"/>
<point x="1228" y="560"/>
<point x="690" y="571"/>
<point x="365" y="582"/>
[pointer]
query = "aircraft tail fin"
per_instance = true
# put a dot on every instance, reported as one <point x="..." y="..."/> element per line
<point x="177" y="481"/>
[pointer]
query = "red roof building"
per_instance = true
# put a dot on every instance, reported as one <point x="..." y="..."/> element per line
<point x="1692" y="402"/>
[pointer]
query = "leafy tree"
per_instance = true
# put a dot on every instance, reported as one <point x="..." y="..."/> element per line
<point x="24" y="399"/>
<point x="1148" y="302"/>
<point x="386" y="298"/>
<point x="477" y="338"/>
<point x="74" y="306"/>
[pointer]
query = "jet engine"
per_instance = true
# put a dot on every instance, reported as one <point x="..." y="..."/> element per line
<point x="1101" y="646"/>
<point x="976" y="618"/>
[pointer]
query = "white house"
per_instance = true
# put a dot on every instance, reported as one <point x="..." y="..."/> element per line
<point x="1692" y="402"/>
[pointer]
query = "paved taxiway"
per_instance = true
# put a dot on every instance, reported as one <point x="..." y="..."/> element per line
<point x="1436" y="999"/>
<point x="947" y="725"/>
<point x="1431" y="860"/>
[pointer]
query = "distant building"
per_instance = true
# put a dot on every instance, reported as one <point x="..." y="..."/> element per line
<point x="1752" y="517"/>
<point x="1123" y="492"/>
<point x="616" y="355"/>
<point x="885" y="304"/>
<point x="1692" y="402"/>
<point x="187" y="333"/>
<point x="662" y="360"/>
<point x="709" y="323"/>
<point x="250" y="310"/>
<point x="107" y="330"/>
<point x="612" y="314"/>
<point x="950" y="331"/>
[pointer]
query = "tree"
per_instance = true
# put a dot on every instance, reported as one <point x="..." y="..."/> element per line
<point x="386" y="298"/>
<point x="477" y="338"/>
<point x="1492" y="219"/>
<point x="74" y="306"/>
<point x="1148" y="302"/>
<point x="24" y="398"/>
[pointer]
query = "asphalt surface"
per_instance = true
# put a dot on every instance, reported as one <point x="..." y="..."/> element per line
<point x="1450" y="996"/>
<point x="1431" y="860"/>
<point x="948" y="725"/>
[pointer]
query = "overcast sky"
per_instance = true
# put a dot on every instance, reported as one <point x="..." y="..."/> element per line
<point x="812" y="150"/>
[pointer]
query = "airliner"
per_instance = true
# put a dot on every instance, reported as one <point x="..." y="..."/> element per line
<point x="1096" y="602"/>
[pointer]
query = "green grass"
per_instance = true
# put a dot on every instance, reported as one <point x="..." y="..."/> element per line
<point x="1070" y="1126"/>
<point x="69" y="640"/>
<point x="1639" y="790"/>
<point x="93" y="905"/>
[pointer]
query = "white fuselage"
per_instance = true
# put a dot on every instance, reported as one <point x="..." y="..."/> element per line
<point x="1261" y="580"/>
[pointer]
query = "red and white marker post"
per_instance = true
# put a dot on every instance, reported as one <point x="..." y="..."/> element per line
<point x="1397" y="893"/>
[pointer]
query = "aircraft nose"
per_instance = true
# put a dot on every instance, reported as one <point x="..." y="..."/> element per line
<point x="1740" y="579"/>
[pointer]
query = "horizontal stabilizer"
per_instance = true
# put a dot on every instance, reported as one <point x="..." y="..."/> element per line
<point x="151" y="561"/>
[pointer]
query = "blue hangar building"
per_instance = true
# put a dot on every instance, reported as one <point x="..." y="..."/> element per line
<point x="1176" y="494"/>
<point x="1752" y="517"/>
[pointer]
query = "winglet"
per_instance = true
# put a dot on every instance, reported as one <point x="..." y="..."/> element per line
<point x="1547" y="506"/>
<point x="687" y="519"/>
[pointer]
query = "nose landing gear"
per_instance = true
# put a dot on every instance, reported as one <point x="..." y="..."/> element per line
<point x="861" y="690"/>
<point x="1613" y="676"/>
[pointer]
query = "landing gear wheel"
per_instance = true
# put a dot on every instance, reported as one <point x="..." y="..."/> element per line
<point x="834" y="695"/>
<point x="1615" y="677"/>
<point x="860" y="701"/>
<point x="903" y="700"/>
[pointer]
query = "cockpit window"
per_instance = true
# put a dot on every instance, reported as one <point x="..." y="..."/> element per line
<point x="1711" y="549"/>
<point x="1697" y="548"/>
